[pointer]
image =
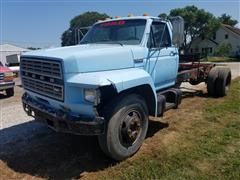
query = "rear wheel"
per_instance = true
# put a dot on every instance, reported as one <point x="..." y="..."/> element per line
<point x="211" y="81"/>
<point x="126" y="129"/>
<point x="10" y="92"/>
<point x="223" y="82"/>
<point x="219" y="80"/>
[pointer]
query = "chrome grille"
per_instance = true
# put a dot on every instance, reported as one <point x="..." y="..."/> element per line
<point x="43" y="76"/>
<point x="42" y="67"/>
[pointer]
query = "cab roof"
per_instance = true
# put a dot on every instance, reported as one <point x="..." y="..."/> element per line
<point x="128" y="18"/>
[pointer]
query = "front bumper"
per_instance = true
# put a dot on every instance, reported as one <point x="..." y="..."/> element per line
<point x="6" y="85"/>
<point x="62" y="121"/>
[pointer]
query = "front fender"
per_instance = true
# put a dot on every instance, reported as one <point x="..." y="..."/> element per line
<point x="122" y="80"/>
<point x="126" y="79"/>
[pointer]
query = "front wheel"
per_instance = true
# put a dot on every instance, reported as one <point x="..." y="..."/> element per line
<point x="10" y="92"/>
<point x="127" y="127"/>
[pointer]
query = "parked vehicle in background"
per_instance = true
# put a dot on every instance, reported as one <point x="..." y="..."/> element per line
<point x="13" y="63"/>
<point x="124" y="70"/>
<point x="7" y="80"/>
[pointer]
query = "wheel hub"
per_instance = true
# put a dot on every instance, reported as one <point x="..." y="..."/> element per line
<point x="131" y="127"/>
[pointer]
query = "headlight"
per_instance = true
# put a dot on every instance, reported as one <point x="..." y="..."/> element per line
<point x="92" y="95"/>
<point x="8" y="76"/>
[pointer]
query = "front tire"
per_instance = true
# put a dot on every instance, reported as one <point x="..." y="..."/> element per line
<point x="127" y="127"/>
<point x="10" y="92"/>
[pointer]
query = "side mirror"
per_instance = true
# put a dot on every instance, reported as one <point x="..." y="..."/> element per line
<point x="178" y="30"/>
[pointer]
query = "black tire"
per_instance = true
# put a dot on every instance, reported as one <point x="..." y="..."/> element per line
<point x="211" y="81"/>
<point x="223" y="81"/>
<point x="194" y="82"/>
<point x="127" y="127"/>
<point x="10" y="92"/>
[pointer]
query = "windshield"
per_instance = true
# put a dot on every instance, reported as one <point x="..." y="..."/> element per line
<point x="128" y="32"/>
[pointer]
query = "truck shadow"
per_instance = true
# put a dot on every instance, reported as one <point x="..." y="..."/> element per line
<point x="38" y="151"/>
<point x="3" y="96"/>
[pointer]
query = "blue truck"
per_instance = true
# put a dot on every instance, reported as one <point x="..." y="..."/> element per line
<point x="123" y="71"/>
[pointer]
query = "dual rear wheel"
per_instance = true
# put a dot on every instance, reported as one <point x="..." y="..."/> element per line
<point x="218" y="82"/>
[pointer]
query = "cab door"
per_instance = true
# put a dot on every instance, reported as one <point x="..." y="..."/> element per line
<point x="162" y="56"/>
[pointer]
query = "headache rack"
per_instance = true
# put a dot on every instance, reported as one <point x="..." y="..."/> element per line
<point x="43" y="76"/>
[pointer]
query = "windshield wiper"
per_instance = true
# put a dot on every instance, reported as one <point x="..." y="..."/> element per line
<point x="84" y="42"/>
<point x="115" y="42"/>
<point x="118" y="43"/>
<point x="99" y="42"/>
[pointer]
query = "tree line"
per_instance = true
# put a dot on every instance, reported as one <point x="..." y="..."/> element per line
<point x="198" y="22"/>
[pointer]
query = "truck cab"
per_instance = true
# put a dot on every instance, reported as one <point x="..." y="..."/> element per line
<point x="149" y="40"/>
<point x="122" y="71"/>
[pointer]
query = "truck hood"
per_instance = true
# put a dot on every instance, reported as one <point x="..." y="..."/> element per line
<point x="89" y="57"/>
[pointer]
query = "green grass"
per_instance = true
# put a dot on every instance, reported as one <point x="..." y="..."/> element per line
<point x="220" y="59"/>
<point x="208" y="149"/>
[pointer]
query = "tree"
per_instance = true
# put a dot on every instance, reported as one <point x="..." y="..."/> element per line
<point x="224" y="49"/>
<point x="198" y="22"/>
<point x="227" y="19"/>
<point x="72" y="35"/>
<point x="163" y="16"/>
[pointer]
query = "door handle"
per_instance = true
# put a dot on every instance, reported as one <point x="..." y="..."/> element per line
<point x="138" y="60"/>
<point x="172" y="53"/>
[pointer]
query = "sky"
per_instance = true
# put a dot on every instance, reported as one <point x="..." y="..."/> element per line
<point x="40" y="23"/>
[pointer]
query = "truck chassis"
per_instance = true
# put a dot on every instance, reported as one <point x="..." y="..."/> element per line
<point x="192" y="70"/>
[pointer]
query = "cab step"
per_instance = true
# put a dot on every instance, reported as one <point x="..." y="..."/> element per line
<point x="169" y="106"/>
<point x="168" y="99"/>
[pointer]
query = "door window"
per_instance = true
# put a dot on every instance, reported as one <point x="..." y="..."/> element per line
<point x="159" y="35"/>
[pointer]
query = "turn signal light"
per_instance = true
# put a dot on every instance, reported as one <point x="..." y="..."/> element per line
<point x="145" y="14"/>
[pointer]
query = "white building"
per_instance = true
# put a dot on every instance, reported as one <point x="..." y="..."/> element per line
<point x="9" y="51"/>
<point x="225" y="33"/>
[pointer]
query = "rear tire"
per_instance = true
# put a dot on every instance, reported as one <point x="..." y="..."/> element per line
<point x="219" y="80"/>
<point x="10" y="92"/>
<point x="127" y="127"/>
<point x="223" y="82"/>
<point x="211" y="81"/>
